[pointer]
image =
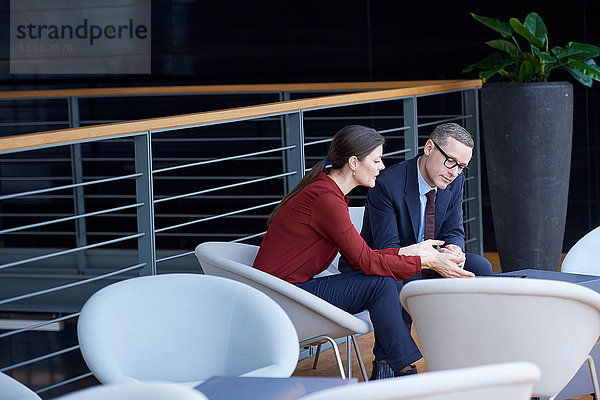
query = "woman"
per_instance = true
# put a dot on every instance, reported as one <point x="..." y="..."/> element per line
<point x="311" y="224"/>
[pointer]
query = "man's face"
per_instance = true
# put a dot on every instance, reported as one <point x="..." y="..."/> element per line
<point x="433" y="165"/>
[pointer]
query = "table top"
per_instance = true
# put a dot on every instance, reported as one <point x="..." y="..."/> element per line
<point x="255" y="388"/>
<point x="552" y="275"/>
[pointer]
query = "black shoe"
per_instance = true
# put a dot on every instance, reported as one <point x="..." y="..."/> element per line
<point x="412" y="370"/>
<point x="381" y="370"/>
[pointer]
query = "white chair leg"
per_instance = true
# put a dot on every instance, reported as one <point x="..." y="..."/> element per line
<point x="361" y="364"/>
<point x="334" y="346"/>
<point x="338" y="359"/>
<point x="349" y="356"/>
<point x="592" y="366"/>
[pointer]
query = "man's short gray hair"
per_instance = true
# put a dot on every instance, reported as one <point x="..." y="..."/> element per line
<point x="451" y="130"/>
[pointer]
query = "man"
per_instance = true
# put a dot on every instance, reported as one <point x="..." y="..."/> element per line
<point x="396" y="208"/>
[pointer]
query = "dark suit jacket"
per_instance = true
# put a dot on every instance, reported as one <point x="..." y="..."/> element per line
<point x="392" y="209"/>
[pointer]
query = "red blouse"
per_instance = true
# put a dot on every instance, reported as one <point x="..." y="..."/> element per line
<point x="312" y="227"/>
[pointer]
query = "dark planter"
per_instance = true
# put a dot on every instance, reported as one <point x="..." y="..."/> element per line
<point x="527" y="134"/>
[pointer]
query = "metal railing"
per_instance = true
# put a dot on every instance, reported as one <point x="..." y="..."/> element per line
<point x="84" y="207"/>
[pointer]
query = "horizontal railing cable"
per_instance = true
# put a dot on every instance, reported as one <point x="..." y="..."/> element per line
<point x="38" y="325"/>
<point x="318" y="142"/>
<point x="41" y="358"/>
<point x="174" y="256"/>
<point x="64" y="187"/>
<point x="70" y="285"/>
<point x="167" y="228"/>
<point x="390" y="130"/>
<point x="217" y="160"/>
<point x="43" y="233"/>
<point x="71" y="218"/>
<point x="237" y="216"/>
<point x="69" y="251"/>
<point x="442" y="121"/>
<point x="217" y="139"/>
<point x="65" y="382"/>
<point x="203" y="234"/>
<point x="182" y="196"/>
<point x="249" y="237"/>
<point x="354" y="118"/>
<point x="395" y="153"/>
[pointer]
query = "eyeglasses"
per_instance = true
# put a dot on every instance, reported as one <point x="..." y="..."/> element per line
<point x="450" y="162"/>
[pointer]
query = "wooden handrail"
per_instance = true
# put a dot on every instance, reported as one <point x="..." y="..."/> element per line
<point x="214" y="89"/>
<point x="164" y="123"/>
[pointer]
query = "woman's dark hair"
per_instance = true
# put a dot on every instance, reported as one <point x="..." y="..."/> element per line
<point x="352" y="140"/>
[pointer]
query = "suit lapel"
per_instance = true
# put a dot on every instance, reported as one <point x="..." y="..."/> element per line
<point x="411" y="195"/>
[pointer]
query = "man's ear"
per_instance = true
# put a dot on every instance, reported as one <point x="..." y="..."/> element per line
<point x="428" y="147"/>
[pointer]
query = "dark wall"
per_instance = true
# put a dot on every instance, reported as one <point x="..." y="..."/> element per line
<point x="221" y="42"/>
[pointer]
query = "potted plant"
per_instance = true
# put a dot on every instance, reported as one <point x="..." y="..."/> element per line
<point x="527" y="132"/>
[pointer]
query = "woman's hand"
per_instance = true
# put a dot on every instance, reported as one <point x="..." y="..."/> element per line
<point x="445" y="264"/>
<point x="421" y="249"/>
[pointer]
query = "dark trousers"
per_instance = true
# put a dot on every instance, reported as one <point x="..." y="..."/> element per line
<point x="394" y="334"/>
<point x="355" y="292"/>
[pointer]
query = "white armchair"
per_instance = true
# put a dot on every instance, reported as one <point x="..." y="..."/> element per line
<point x="136" y="391"/>
<point x="316" y="320"/>
<point x="184" y="328"/>
<point x="508" y="381"/>
<point x="469" y="322"/>
<point x="582" y="258"/>
<point x="12" y="389"/>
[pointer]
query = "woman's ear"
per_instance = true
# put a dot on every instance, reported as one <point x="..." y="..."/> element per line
<point x="353" y="163"/>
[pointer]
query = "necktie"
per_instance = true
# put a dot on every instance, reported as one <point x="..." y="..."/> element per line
<point x="430" y="215"/>
<point x="430" y="229"/>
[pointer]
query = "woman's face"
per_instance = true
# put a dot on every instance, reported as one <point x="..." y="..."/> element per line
<point x="368" y="168"/>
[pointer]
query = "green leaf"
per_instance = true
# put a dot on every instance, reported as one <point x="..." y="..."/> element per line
<point x="581" y="51"/>
<point x="524" y="31"/>
<point x="490" y="62"/>
<point x="589" y="69"/>
<point x="543" y="55"/>
<point x="589" y="49"/>
<point x="525" y="71"/>
<point x="586" y="80"/>
<point x="594" y="67"/>
<point x="487" y="74"/>
<point x="501" y="27"/>
<point x="505" y="46"/>
<point x="510" y="74"/>
<point x="535" y="25"/>
<point x="505" y="69"/>
<point x="560" y="52"/>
